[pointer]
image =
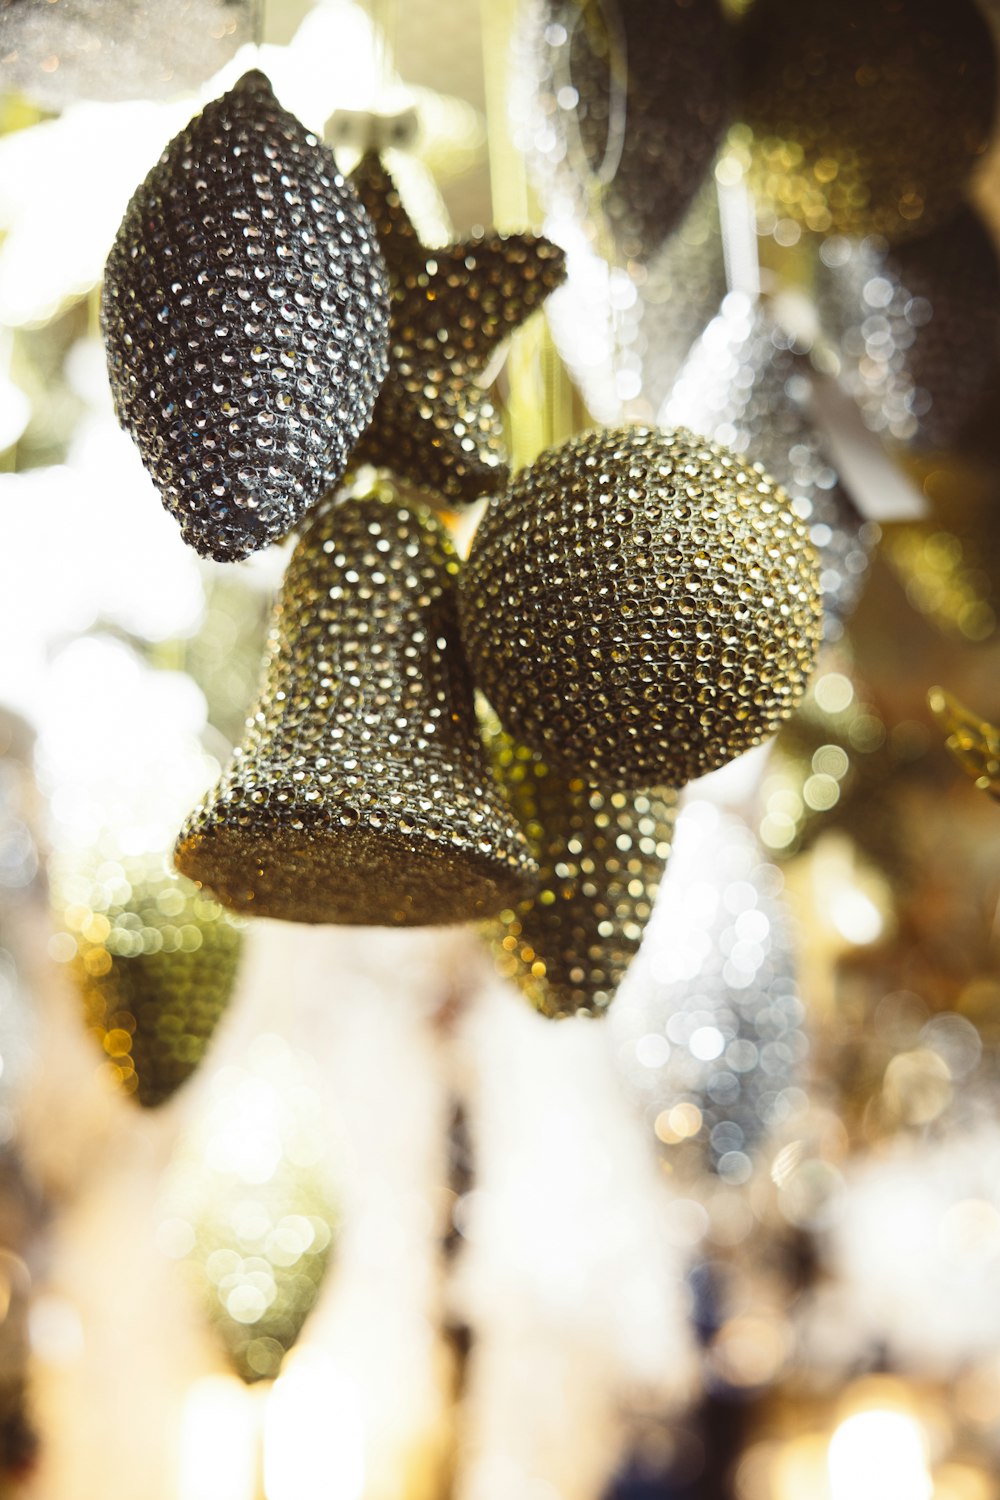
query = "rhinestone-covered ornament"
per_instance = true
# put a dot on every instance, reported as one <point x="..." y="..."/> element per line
<point x="744" y="385"/>
<point x="917" y="327"/>
<point x="435" y="423"/>
<point x="155" y="961"/>
<point x="245" y="313"/>
<point x="867" y="116"/>
<point x="601" y="856"/>
<point x="362" y="792"/>
<point x="640" y="606"/>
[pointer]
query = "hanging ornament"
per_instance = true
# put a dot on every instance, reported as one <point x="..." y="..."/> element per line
<point x="867" y="116"/>
<point x="57" y="51"/>
<point x="641" y="606"/>
<point x="917" y="327"/>
<point x="707" y="1029"/>
<point x="155" y="962"/>
<point x="974" y="742"/>
<point x="744" y="385"/>
<point x="622" y="104"/>
<point x="245" y="313"/>
<point x="435" y="424"/>
<point x="601" y="856"/>
<point x="362" y="792"/>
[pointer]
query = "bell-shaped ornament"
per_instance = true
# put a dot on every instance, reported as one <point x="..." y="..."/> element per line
<point x="362" y="792"/>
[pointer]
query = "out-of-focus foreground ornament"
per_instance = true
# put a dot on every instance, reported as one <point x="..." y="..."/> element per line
<point x="627" y="102"/>
<point x="362" y="791"/>
<point x="641" y="606"/>
<point x="155" y="960"/>
<point x="601" y="856"/>
<point x="435" y="425"/>
<point x="744" y="386"/>
<point x="868" y="116"/>
<point x="245" y="312"/>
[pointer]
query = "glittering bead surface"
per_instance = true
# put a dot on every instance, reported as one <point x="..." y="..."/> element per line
<point x="867" y="115"/>
<point x="245" y="314"/>
<point x="640" y="606"/>
<point x="155" y="962"/>
<point x="435" y="424"/>
<point x="744" y="385"/>
<point x="601" y="855"/>
<point x="917" y="327"/>
<point x="361" y="792"/>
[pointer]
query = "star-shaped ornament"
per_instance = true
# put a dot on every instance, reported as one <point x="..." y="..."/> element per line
<point x="435" y="424"/>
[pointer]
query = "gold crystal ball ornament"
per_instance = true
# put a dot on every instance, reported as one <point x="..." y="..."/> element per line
<point x="867" y="116"/>
<point x="641" y="606"/>
<point x="362" y="792"/>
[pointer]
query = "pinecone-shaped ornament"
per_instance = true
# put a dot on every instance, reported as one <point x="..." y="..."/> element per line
<point x="640" y="606"/>
<point x="362" y="792"/>
<point x="245" y="313"/>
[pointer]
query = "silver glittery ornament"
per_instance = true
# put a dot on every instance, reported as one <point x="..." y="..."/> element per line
<point x="743" y="385"/>
<point x="640" y="606"/>
<point x="245" y="313"/>
<point x="361" y="792"/>
<point x="708" y="1026"/>
<point x="917" y="327"/>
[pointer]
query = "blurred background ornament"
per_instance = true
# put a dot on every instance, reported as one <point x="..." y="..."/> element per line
<point x="865" y="116"/>
<point x="618" y="553"/>
<point x="974" y="742"/>
<point x="245" y="403"/>
<point x="917" y="327"/>
<point x="155" y="961"/>
<point x="746" y="386"/>
<point x="709" y="1028"/>
<point x="55" y="52"/>
<point x="627" y="101"/>
<point x="434" y="424"/>
<point x="601" y="857"/>
<point x="362" y="792"/>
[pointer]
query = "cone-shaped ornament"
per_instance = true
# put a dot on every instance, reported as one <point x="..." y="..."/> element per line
<point x="155" y="962"/>
<point x="245" y="313"/>
<point x="362" y="792"/>
<point x="641" y="606"/>
<point x="601" y="856"/>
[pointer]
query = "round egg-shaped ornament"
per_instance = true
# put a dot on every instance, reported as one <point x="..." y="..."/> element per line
<point x="641" y="606"/>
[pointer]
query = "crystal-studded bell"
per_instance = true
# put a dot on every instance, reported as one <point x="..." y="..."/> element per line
<point x="155" y="961"/>
<point x="867" y="116"/>
<point x="362" y="791"/>
<point x="744" y="385"/>
<point x="917" y="327"/>
<point x="640" y="606"/>
<point x="601" y="856"/>
<point x="245" y="313"/>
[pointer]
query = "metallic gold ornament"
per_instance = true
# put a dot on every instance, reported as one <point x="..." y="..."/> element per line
<point x="917" y="327"/>
<point x="868" y="116"/>
<point x="641" y="606"/>
<point x="623" y="104"/>
<point x="155" y="961"/>
<point x="361" y="792"/>
<point x="245" y="313"/>
<point x="435" y="424"/>
<point x="744" y="385"/>
<point x="974" y="742"/>
<point x="601" y="856"/>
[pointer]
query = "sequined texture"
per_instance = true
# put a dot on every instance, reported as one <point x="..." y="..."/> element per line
<point x="435" y="424"/>
<point x="362" y="792"/>
<point x="245" y="313"/>
<point x="601" y="855"/>
<point x="867" y="115"/>
<point x="627" y="104"/>
<point x="708" y="1030"/>
<point x="155" y="962"/>
<point x="917" y="327"/>
<point x="640" y="606"/>
<point x="744" y="385"/>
